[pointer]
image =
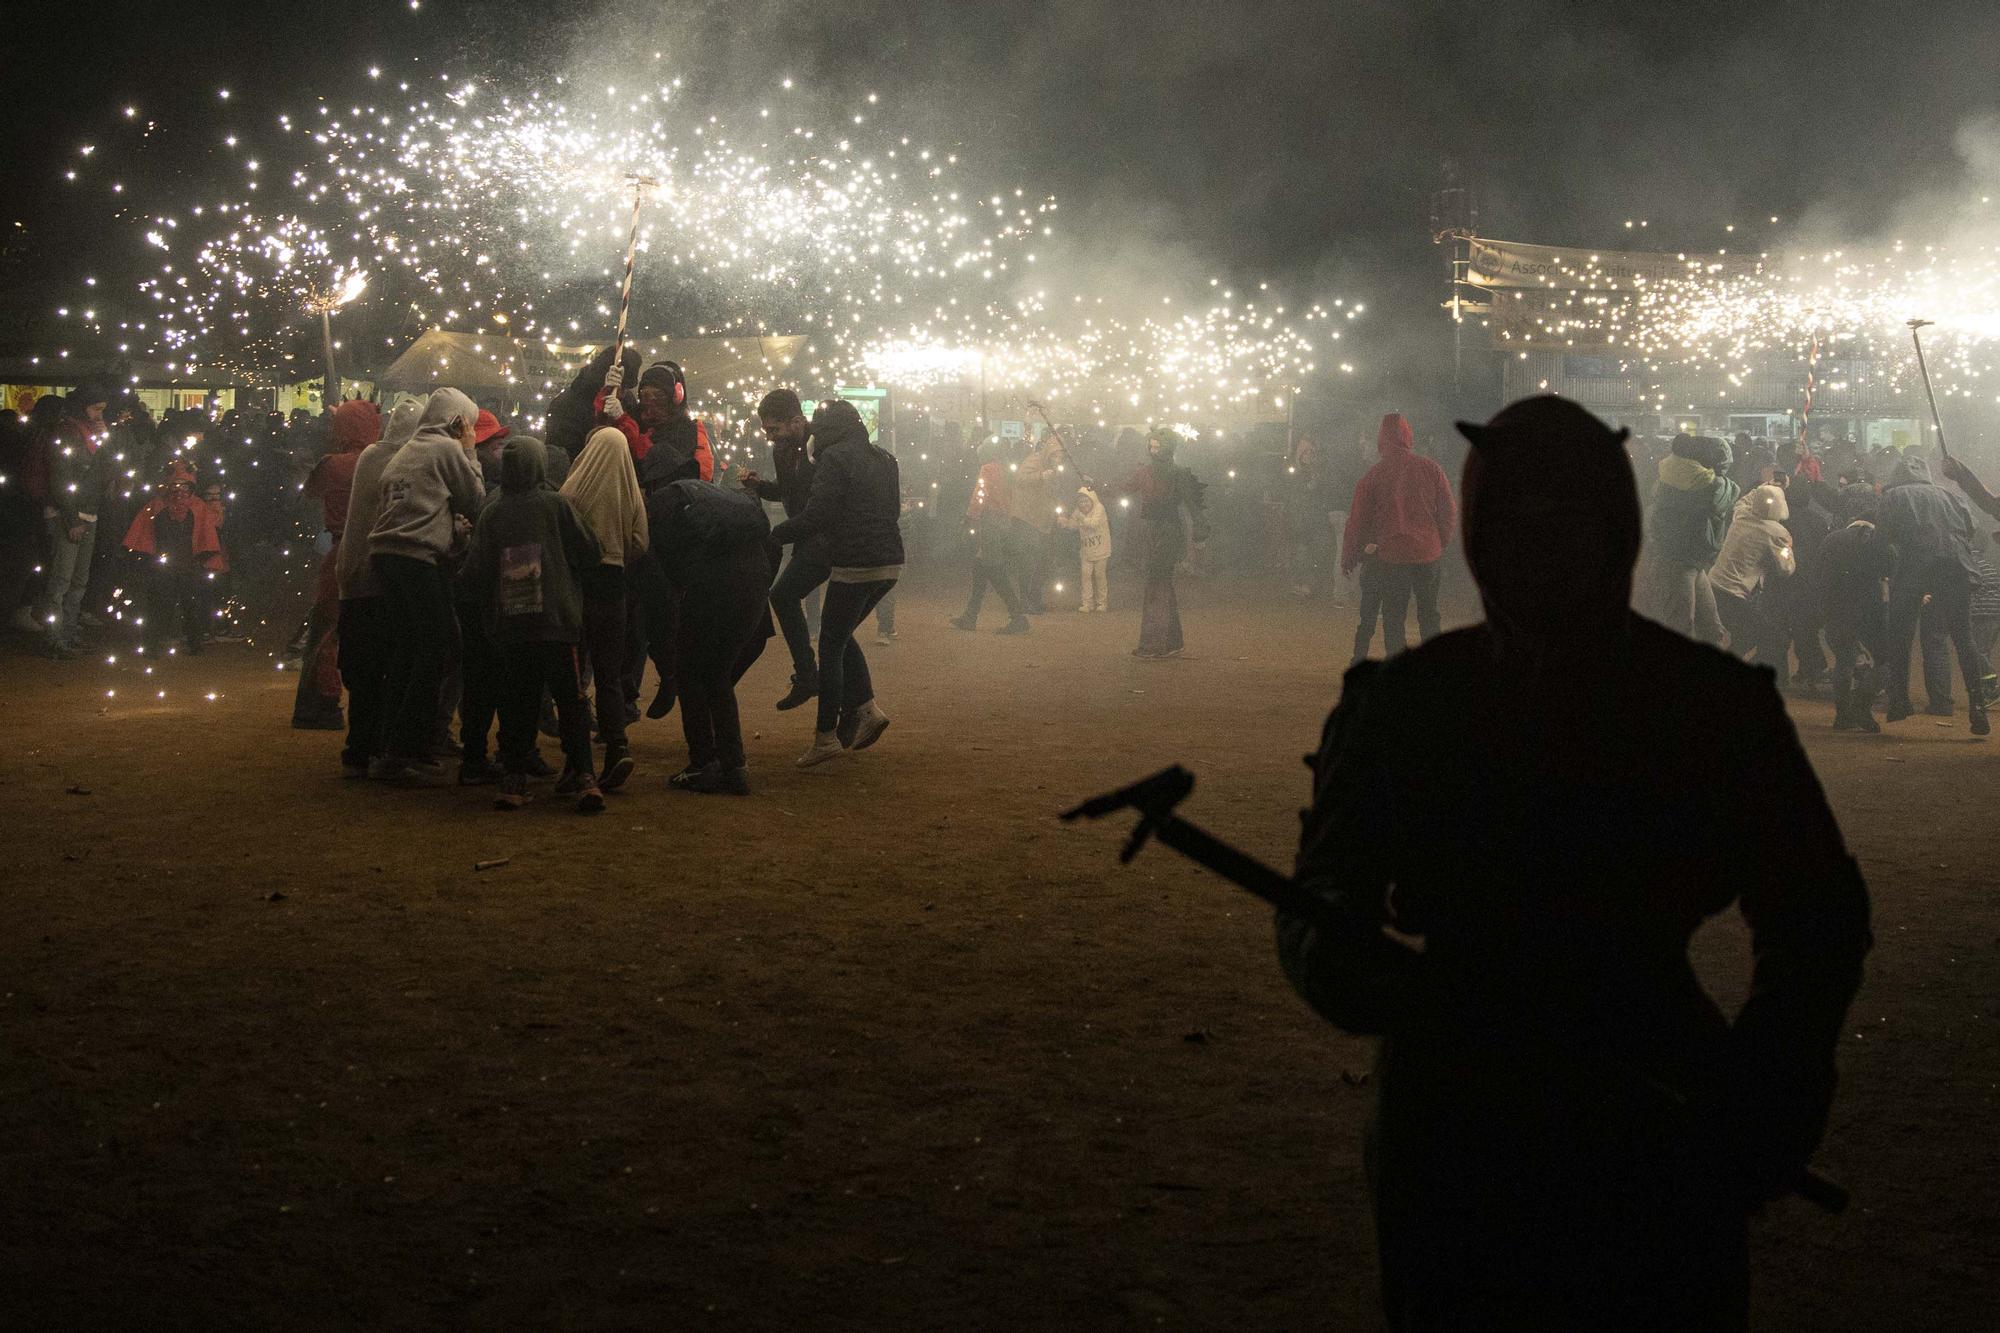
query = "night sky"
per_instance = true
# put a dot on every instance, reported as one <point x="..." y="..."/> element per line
<point x="1285" y="139"/>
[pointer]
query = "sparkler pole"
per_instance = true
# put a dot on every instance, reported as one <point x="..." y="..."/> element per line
<point x="1055" y="430"/>
<point x="639" y="184"/>
<point x="329" y="397"/>
<point x="1936" y="420"/>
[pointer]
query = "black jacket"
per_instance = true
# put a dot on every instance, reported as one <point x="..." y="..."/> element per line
<point x="856" y="497"/>
<point x="1926" y="523"/>
<point x="573" y="412"/>
<point x="795" y="479"/>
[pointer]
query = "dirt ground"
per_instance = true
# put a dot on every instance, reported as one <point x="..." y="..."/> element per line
<point x="883" y="1046"/>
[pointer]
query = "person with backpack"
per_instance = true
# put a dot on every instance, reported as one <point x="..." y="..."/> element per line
<point x="1689" y="518"/>
<point x="524" y="575"/>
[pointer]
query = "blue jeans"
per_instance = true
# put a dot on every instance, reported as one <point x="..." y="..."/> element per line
<point x="69" y="577"/>
<point x="843" y="671"/>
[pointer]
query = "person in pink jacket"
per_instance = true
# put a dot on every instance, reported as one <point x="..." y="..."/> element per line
<point x="1398" y="525"/>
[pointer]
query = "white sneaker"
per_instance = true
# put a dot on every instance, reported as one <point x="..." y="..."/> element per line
<point x="870" y="723"/>
<point x="825" y="746"/>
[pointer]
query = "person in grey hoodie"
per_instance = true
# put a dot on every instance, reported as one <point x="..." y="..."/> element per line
<point x="430" y="493"/>
<point x="368" y="636"/>
<point x="1931" y="529"/>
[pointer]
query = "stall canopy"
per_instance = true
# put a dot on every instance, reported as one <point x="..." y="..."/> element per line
<point x="532" y="371"/>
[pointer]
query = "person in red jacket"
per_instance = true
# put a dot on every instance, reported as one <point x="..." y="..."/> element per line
<point x="1400" y="521"/>
<point x="356" y="424"/>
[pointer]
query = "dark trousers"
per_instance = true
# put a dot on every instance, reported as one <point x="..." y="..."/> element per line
<point x="844" y="684"/>
<point x="1950" y="590"/>
<point x="177" y="590"/>
<point x="1752" y="628"/>
<point x="604" y="620"/>
<point x="990" y="567"/>
<point x="1851" y="640"/>
<point x="480" y="682"/>
<point x="723" y="614"/>
<point x="367" y="644"/>
<point x="527" y="669"/>
<point x="1160" y="614"/>
<point x="426" y="639"/>
<point x="318" y="695"/>
<point x="1386" y="592"/>
<point x="805" y="571"/>
<point x="1933" y="649"/>
<point x="652" y="618"/>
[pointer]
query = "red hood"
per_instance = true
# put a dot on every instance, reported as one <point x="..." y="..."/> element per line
<point x="357" y="423"/>
<point x="1395" y="437"/>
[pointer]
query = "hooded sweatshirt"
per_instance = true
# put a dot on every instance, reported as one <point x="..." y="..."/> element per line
<point x="429" y="481"/>
<point x="525" y="565"/>
<point x="357" y="424"/>
<point x="604" y="487"/>
<point x="1758" y="542"/>
<point x="856" y="503"/>
<point x="1402" y="506"/>
<point x="1092" y="525"/>
<point x="1926" y="523"/>
<point x="356" y="577"/>
<point x="1691" y="505"/>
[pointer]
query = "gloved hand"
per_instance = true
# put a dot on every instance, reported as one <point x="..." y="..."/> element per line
<point x="613" y="409"/>
<point x="614" y="378"/>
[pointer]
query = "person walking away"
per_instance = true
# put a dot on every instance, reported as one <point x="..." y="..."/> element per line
<point x="524" y="570"/>
<point x="1569" y="1131"/>
<point x="367" y="634"/>
<point x="784" y="423"/>
<point x="80" y="479"/>
<point x="604" y="488"/>
<point x="1855" y="565"/>
<point x="855" y="504"/>
<point x="357" y="424"/>
<point x="1931" y="530"/>
<point x="430" y="494"/>
<point x="714" y="546"/>
<point x="1757" y="547"/>
<point x="1093" y="531"/>
<point x="1692" y="504"/>
<point x="1400" y="520"/>
<point x="991" y="522"/>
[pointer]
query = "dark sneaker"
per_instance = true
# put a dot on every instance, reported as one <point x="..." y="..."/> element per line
<point x="480" y="772"/>
<point x="539" y="767"/>
<point x="416" y="773"/>
<point x="663" y="703"/>
<point x="1980" y="726"/>
<point x="966" y="623"/>
<point x="513" y="792"/>
<point x="1017" y="625"/>
<point x="1897" y="712"/>
<point x="804" y="690"/>
<point x="589" y="800"/>
<point x="686" y="779"/>
<point x="353" y="769"/>
<point x="573" y="781"/>
<point x="617" y="766"/>
<point x="715" y="780"/>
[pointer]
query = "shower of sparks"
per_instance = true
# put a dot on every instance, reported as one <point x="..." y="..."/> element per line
<point x="496" y="211"/>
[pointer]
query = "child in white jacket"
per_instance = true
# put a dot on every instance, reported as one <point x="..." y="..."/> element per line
<point x="1093" y="528"/>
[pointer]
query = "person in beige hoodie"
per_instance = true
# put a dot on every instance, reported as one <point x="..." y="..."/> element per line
<point x="1758" y="548"/>
<point x="1093" y="531"/>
